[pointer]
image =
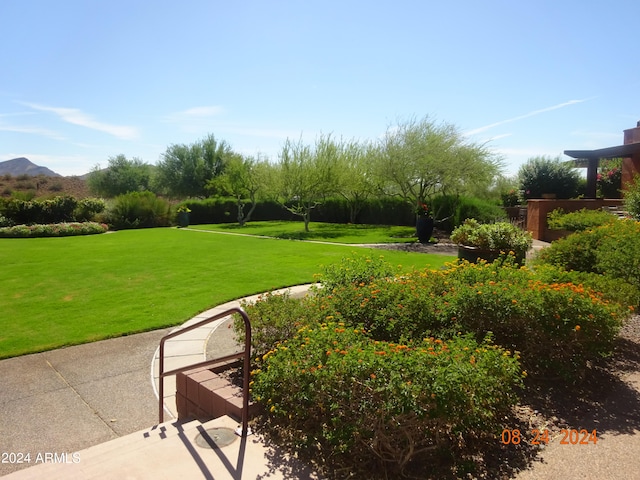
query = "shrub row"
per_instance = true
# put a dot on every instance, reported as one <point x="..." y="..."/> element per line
<point x="450" y="211"/>
<point x="399" y="363"/>
<point x="55" y="210"/>
<point x="612" y="249"/>
<point x="53" y="230"/>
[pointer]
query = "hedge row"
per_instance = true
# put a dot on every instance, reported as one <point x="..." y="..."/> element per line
<point x="450" y="211"/>
<point x="56" y="210"/>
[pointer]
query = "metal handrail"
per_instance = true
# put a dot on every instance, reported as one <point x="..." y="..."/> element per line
<point x="245" y="354"/>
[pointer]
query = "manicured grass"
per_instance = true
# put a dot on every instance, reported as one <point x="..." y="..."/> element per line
<point x="326" y="232"/>
<point x="72" y="290"/>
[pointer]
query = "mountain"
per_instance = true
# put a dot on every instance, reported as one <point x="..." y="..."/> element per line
<point x="23" y="166"/>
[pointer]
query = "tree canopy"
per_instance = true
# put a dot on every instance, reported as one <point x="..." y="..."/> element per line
<point x="185" y="170"/>
<point x="422" y="158"/>
<point x="122" y="176"/>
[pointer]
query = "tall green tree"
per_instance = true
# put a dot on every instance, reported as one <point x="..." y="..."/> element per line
<point x="244" y="178"/>
<point x="122" y="176"/>
<point x="305" y="175"/>
<point x="354" y="179"/>
<point x="422" y="158"/>
<point x="186" y="170"/>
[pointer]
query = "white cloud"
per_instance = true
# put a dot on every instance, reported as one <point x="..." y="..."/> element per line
<point x="526" y="115"/>
<point x="207" y="111"/>
<point x="77" y="117"/>
<point x="31" y="130"/>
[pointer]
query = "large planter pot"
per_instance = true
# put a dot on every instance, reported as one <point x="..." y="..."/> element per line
<point x="424" y="229"/>
<point x="474" y="254"/>
<point x="183" y="219"/>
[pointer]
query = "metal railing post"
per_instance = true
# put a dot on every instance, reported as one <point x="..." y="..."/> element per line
<point x="246" y="354"/>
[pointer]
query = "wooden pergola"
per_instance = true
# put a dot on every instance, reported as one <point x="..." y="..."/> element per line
<point x="590" y="159"/>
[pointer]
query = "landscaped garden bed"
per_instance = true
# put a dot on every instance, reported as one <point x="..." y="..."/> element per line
<point x="380" y="373"/>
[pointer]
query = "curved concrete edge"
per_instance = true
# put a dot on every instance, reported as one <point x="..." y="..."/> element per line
<point x="191" y="348"/>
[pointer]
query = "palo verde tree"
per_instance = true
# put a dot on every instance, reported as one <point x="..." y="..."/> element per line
<point x="354" y="180"/>
<point x="122" y="176"/>
<point x="244" y="178"/>
<point x="420" y="159"/>
<point x="186" y="170"/>
<point x="304" y="176"/>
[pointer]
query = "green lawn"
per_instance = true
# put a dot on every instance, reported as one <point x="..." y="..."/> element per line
<point x="326" y="232"/>
<point x="72" y="290"/>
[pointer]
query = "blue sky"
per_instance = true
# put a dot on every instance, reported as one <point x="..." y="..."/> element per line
<point x="86" y="80"/>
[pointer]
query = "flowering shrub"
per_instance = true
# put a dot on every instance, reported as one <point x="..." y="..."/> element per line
<point x="612" y="249"/>
<point x="523" y="312"/>
<point x="339" y="391"/>
<point x="510" y="198"/>
<point x="53" y="230"/>
<point x="609" y="178"/>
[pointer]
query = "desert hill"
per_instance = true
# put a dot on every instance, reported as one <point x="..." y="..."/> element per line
<point x="22" y="177"/>
<point x="24" y="166"/>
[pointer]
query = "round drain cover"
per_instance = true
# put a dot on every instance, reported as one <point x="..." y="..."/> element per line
<point x="216" y="438"/>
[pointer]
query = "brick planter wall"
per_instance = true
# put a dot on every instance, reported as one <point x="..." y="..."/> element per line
<point x="204" y="394"/>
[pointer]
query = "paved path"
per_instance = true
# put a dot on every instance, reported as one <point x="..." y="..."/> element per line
<point x="68" y="399"/>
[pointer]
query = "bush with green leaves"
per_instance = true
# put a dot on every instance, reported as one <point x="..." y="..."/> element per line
<point x="612" y="249"/>
<point x="578" y="221"/>
<point x="452" y="210"/>
<point x="88" y="208"/>
<point x="29" y="212"/>
<point x="524" y="312"/>
<point x="139" y="210"/>
<point x="53" y="230"/>
<point x="368" y="405"/>
<point x="397" y="364"/>
<point x="632" y="198"/>
<point x="5" y="222"/>
<point x="275" y="317"/>
<point x="541" y="175"/>
<point x="499" y="236"/>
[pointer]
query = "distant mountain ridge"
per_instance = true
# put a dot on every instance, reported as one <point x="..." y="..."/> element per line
<point x="24" y="166"/>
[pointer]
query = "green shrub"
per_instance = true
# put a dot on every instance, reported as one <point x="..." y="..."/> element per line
<point x="29" y="212"/>
<point x="612" y="249"/>
<point x="500" y="236"/>
<point x="368" y="405"/>
<point x="139" y="210"/>
<point x="579" y="220"/>
<point x="477" y="209"/>
<point x="541" y="175"/>
<point x="612" y="289"/>
<point x="355" y="270"/>
<point x="5" y="222"/>
<point x="632" y="198"/>
<point x="557" y="328"/>
<point x="88" y="208"/>
<point x="451" y="211"/>
<point x="274" y="318"/>
<point x="54" y="230"/>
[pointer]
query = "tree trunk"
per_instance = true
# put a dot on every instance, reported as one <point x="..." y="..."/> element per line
<point x="307" y="218"/>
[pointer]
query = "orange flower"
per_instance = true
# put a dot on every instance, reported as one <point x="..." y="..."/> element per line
<point x="577" y="328"/>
